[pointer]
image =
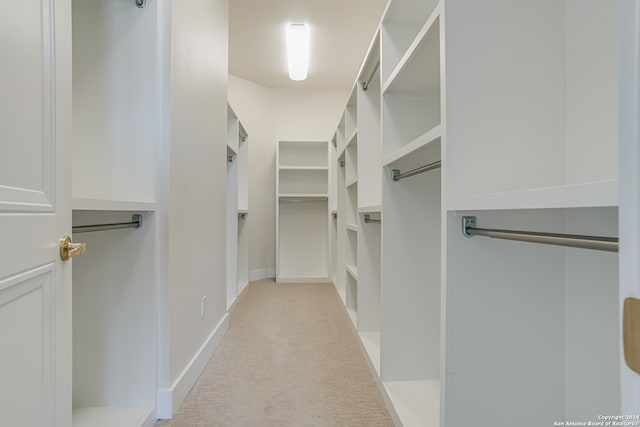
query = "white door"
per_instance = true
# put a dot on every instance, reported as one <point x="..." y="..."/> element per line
<point x="630" y="182"/>
<point x="35" y="186"/>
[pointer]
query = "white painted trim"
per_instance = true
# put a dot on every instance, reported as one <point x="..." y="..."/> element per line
<point x="169" y="400"/>
<point x="263" y="273"/>
<point x="304" y="280"/>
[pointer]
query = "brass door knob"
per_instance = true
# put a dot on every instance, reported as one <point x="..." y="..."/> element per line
<point x="69" y="249"/>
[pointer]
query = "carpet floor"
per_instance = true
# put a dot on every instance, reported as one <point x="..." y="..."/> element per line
<point x="290" y="358"/>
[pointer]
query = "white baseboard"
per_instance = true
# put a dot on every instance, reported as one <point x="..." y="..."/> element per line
<point x="264" y="273"/>
<point x="303" y="280"/>
<point x="169" y="400"/>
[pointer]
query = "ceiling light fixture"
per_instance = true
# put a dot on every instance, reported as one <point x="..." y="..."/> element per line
<point x="298" y="51"/>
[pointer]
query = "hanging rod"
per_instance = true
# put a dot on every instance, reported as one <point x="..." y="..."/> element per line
<point x="365" y="85"/>
<point x="609" y="244"/>
<point x="136" y="222"/>
<point x="368" y="220"/>
<point x="397" y="176"/>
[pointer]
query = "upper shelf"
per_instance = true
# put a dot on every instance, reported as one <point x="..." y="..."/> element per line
<point x="593" y="194"/>
<point x="404" y="28"/>
<point x="418" y="71"/>
<point x="87" y="204"/>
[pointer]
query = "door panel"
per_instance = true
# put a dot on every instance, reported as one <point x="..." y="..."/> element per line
<point x="26" y="329"/>
<point x="26" y="78"/>
<point x="35" y="211"/>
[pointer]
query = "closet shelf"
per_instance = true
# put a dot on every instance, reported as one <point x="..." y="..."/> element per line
<point x="108" y="417"/>
<point x="373" y="209"/>
<point x="422" y="150"/>
<point x="351" y="182"/>
<point x="417" y="403"/>
<point x="309" y="196"/>
<point x="592" y="194"/>
<point x="371" y="343"/>
<point x="409" y="74"/>
<point x="353" y="315"/>
<point x="353" y="138"/>
<point x="89" y="204"/>
<point x="353" y="271"/>
<point x="352" y="227"/>
<point x="304" y="168"/>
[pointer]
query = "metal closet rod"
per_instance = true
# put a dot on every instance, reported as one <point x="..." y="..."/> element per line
<point x="609" y="244"/>
<point x="136" y="222"/>
<point x="365" y="84"/>
<point x="396" y="175"/>
<point x="368" y="220"/>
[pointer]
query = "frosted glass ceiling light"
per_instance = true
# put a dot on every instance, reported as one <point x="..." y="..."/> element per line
<point x="298" y="51"/>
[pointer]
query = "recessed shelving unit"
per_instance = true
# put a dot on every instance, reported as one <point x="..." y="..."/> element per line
<point x="114" y="146"/>
<point x="302" y="210"/>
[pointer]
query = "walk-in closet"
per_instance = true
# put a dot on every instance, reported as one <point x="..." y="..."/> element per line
<point x="426" y="209"/>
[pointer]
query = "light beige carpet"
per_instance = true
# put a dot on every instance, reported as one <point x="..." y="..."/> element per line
<point x="290" y="358"/>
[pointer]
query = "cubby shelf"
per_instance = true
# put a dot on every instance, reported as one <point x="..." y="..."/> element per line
<point x="419" y="68"/>
<point x="352" y="227"/>
<point x="422" y="150"/>
<point x="417" y="403"/>
<point x="353" y="138"/>
<point x="108" y="417"/>
<point x="353" y="181"/>
<point x="371" y="343"/>
<point x="309" y="196"/>
<point x="353" y="315"/>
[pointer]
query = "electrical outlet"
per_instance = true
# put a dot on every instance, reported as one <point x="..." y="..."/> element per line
<point x="203" y="302"/>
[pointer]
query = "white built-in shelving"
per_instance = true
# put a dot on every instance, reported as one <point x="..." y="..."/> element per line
<point x="520" y="127"/>
<point x="114" y="163"/>
<point x="237" y="207"/>
<point x="302" y="212"/>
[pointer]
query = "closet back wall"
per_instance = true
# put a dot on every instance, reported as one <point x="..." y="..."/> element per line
<point x="270" y="115"/>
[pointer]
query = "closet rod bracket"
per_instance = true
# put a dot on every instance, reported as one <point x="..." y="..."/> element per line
<point x="137" y="218"/>
<point x="467" y="223"/>
<point x="141" y="3"/>
<point x="230" y="158"/>
<point x="369" y="220"/>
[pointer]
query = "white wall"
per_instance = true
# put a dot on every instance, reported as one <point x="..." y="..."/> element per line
<point x="192" y="188"/>
<point x="270" y="115"/>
